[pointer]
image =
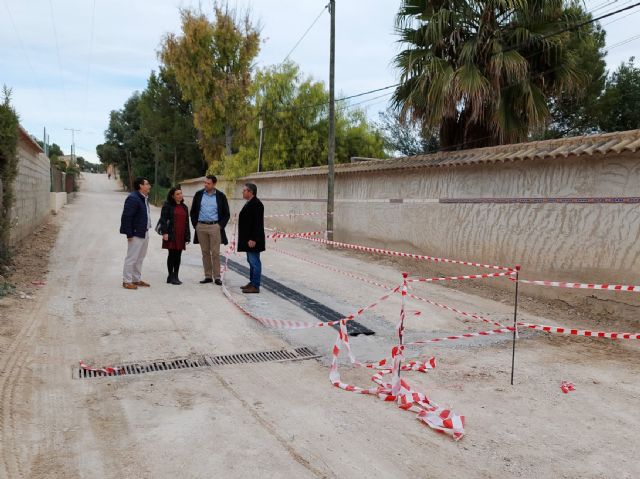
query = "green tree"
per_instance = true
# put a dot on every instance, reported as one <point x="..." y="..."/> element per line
<point x="405" y="138"/>
<point x="619" y="106"/>
<point x="357" y="137"/>
<point x="87" y="166"/>
<point x="482" y="72"/>
<point x="575" y="113"/>
<point x="212" y="62"/>
<point x="126" y="144"/>
<point x="167" y="119"/>
<point x="55" y="152"/>
<point x="295" y="120"/>
<point x="9" y="125"/>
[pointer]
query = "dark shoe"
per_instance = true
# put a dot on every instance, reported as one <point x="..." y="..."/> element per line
<point x="218" y="282"/>
<point x="175" y="280"/>
<point x="245" y="286"/>
<point x="251" y="289"/>
<point x="206" y="280"/>
<point x="169" y="279"/>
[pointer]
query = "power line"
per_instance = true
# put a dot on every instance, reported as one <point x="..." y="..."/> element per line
<point x="360" y="103"/>
<point x="623" y="42"/>
<point x="602" y="5"/>
<point x="326" y="103"/>
<point x="571" y="28"/>
<point x="305" y="33"/>
<point x="86" y="86"/>
<point x="549" y="35"/>
<point x="26" y="55"/>
<point x="620" y="18"/>
<point x="55" y="37"/>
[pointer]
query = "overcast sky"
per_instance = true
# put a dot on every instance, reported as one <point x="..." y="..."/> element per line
<point x="70" y="62"/>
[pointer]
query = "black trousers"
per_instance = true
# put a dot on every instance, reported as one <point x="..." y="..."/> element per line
<point x="173" y="261"/>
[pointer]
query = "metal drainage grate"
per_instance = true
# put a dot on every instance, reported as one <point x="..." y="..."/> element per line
<point x="143" y="367"/>
<point x="263" y="357"/>
<point x="129" y="369"/>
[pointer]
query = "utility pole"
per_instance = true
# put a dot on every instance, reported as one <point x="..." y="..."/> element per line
<point x="332" y="120"/>
<point x="261" y="128"/>
<point x="73" y="143"/>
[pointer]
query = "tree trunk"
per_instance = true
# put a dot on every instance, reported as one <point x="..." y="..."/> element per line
<point x="129" y="171"/>
<point x="450" y="134"/>
<point x="175" y="163"/>
<point x="228" y="137"/>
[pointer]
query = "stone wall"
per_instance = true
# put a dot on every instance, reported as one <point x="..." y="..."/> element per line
<point x="32" y="202"/>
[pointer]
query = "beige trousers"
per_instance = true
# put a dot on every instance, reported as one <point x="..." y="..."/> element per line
<point x="209" y="238"/>
<point x="136" y="251"/>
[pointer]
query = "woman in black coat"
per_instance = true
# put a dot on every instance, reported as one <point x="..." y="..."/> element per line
<point x="174" y="227"/>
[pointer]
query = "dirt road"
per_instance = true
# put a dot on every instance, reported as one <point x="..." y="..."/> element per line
<point x="284" y="419"/>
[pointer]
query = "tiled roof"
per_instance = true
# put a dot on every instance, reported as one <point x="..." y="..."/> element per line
<point x="608" y="143"/>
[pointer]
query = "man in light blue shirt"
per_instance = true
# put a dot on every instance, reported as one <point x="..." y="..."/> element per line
<point x="208" y="207"/>
<point x="209" y="215"/>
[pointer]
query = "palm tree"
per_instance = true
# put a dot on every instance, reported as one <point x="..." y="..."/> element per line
<point x="482" y="71"/>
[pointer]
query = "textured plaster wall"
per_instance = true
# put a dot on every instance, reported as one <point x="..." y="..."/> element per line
<point x="573" y="242"/>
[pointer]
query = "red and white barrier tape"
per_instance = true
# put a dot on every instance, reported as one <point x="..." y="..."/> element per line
<point x="398" y="390"/>
<point x="457" y="311"/>
<point x="462" y="336"/>
<point x="546" y="329"/>
<point x="331" y="268"/>
<point x="107" y="370"/>
<point x="291" y="215"/>
<point x="293" y="235"/>
<point x="466" y="276"/>
<point x="439" y="419"/>
<point x="580" y="332"/>
<point x="419" y="257"/>
<point x="288" y="324"/>
<point x="549" y="329"/>
<point x="384" y="286"/>
<point x="561" y="284"/>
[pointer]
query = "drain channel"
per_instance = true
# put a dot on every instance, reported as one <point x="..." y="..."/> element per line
<point x="311" y="306"/>
<point x="263" y="357"/>
<point x="191" y="362"/>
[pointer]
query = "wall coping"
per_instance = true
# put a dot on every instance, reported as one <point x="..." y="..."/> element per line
<point x="579" y="146"/>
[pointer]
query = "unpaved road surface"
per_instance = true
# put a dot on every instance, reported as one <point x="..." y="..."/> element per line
<point x="285" y="419"/>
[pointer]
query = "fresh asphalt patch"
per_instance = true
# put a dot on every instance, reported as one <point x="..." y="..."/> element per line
<point x="304" y="302"/>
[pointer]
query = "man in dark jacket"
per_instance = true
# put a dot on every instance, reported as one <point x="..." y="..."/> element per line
<point x="209" y="216"/>
<point x="135" y="223"/>
<point x="251" y="235"/>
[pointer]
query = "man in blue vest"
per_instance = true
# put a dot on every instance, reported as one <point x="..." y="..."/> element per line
<point x="135" y="223"/>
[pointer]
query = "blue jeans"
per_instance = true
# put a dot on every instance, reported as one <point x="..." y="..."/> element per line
<point x="255" y="268"/>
